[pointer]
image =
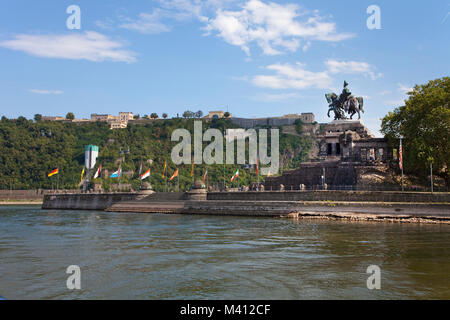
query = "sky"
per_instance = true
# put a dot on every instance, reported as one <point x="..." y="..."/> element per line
<point x="254" y="58"/>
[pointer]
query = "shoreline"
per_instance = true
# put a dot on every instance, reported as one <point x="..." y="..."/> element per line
<point x="19" y="202"/>
<point x="357" y="206"/>
<point x="364" y="217"/>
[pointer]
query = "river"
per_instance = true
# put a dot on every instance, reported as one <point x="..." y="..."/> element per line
<point x="155" y="256"/>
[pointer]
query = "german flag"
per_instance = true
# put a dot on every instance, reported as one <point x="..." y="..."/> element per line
<point x="54" y="172"/>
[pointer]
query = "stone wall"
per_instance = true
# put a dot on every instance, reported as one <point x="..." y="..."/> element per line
<point x="310" y="174"/>
<point x="85" y="201"/>
<point x="328" y="195"/>
<point x="21" y="194"/>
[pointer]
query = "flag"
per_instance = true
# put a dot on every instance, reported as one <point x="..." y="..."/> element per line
<point x="257" y="166"/>
<point x="236" y="174"/>
<point x="54" y="172"/>
<point x="174" y="175"/>
<point x="268" y="174"/>
<point x="400" y="156"/>
<point x="82" y="174"/>
<point x="164" y="170"/>
<point x="192" y="169"/>
<point x="205" y="175"/>
<point x="117" y="174"/>
<point x="145" y="175"/>
<point x="99" y="171"/>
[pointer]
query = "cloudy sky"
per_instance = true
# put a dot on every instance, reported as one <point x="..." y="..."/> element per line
<point x="254" y="58"/>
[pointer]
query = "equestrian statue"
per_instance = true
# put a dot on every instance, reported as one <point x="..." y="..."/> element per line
<point x="345" y="103"/>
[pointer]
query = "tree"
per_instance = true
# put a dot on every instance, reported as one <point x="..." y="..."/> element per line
<point x="199" y="114"/>
<point x="38" y="117"/>
<point x="70" y="116"/>
<point x="227" y="114"/>
<point x="165" y="115"/>
<point x="136" y="117"/>
<point x="154" y="116"/>
<point x="424" y="124"/>
<point x="188" y="114"/>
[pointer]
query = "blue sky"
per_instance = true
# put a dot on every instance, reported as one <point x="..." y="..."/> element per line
<point x="255" y="58"/>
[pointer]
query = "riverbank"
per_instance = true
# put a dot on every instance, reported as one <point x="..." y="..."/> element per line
<point x="21" y="202"/>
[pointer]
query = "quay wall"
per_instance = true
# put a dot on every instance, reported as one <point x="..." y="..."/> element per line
<point x="281" y="208"/>
<point x="85" y="201"/>
<point x="21" y="194"/>
<point x="331" y="195"/>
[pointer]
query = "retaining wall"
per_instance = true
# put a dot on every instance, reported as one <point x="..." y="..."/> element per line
<point x="85" y="201"/>
<point x="331" y="195"/>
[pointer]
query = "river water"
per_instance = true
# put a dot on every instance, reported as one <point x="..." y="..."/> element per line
<point x="154" y="256"/>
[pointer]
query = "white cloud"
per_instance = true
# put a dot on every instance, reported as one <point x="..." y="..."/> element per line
<point x="162" y="18"/>
<point x="404" y="89"/>
<point x="273" y="27"/>
<point x="292" y="77"/>
<point x="91" y="46"/>
<point x="148" y="23"/>
<point x="352" y="67"/>
<point x="38" y="91"/>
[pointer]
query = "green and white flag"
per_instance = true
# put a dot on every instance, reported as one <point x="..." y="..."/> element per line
<point x="236" y="174"/>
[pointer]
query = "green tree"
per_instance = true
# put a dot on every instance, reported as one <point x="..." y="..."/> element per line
<point x="70" y="116"/>
<point x="424" y="124"/>
<point x="38" y="117"/>
<point x="199" y="114"/>
<point x="165" y="115"/>
<point x="227" y="115"/>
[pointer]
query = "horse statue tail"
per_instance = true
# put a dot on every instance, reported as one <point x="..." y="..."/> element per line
<point x="361" y="103"/>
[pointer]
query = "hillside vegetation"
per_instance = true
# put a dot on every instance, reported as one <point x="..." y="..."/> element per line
<point x="29" y="150"/>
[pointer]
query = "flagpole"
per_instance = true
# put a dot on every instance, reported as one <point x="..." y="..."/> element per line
<point x="257" y="169"/>
<point x="140" y="172"/>
<point x="239" y="181"/>
<point x="57" y="181"/>
<point x="120" y="174"/>
<point x="401" y="150"/>
<point x="223" y="161"/>
<point x="431" y="175"/>
<point x="178" y="178"/>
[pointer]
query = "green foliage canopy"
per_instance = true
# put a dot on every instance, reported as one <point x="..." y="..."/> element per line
<point x="424" y="123"/>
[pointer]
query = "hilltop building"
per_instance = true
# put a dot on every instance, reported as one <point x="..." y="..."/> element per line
<point x="126" y="116"/>
<point x="102" y="117"/>
<point x="53" y="118"/>
<point x="216" y="115"/>
<point x="286" y="120"/>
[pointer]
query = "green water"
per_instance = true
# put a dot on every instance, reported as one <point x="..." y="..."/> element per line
<point x="153" y="256"/>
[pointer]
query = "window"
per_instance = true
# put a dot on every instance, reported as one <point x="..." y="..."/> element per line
<point x="330" y="149"/>
<point x="338" y="148"/>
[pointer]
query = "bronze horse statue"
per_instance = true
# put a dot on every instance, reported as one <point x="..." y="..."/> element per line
<point x="345" y="103"/>
<point x="354" y="105"/>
